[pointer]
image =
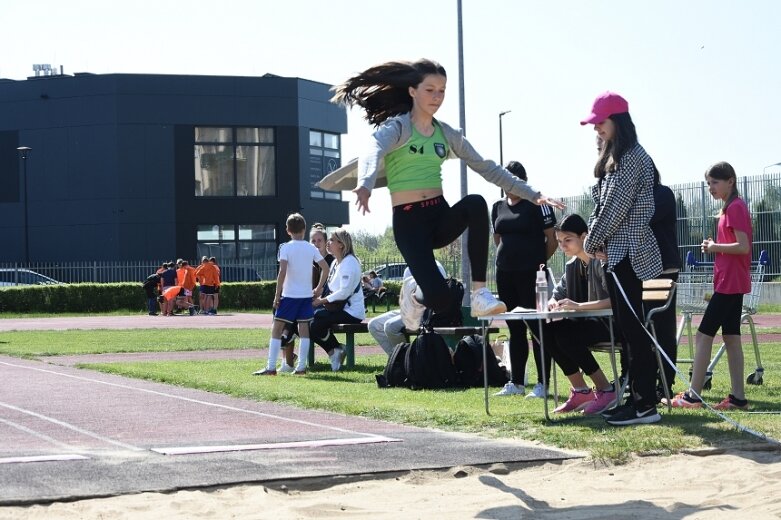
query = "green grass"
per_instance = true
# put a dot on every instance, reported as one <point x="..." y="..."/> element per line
<point x="355" y="392"/>
<point x="31" y="344"/>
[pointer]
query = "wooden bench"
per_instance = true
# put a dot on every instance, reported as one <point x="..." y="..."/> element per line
<point x="453" y="334"/>
<point x="375" y="299"/>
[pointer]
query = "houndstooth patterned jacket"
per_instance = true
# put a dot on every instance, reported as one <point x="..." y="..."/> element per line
<point x="620" y="221"/>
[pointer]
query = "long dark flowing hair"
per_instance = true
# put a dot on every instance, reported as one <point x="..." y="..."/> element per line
<point x="383" y="90"/>
<point x="613" y="150"/>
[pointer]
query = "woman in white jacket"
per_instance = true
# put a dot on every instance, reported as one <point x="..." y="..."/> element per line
<point x="344" y="302"/>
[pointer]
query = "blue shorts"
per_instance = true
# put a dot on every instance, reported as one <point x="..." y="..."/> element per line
<point x="291" y="310"/>
<point x="207" y="289"/>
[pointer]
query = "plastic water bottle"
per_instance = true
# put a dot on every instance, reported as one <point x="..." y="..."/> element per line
<point x="542" y="290"/>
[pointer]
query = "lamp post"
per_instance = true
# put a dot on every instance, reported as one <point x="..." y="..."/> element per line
<point x="501" y="155"/>
<point x="501" y="141"/>
<point x="24" y="153"/>
<point x="466" y="275"/>
<point x="764" y="170"/>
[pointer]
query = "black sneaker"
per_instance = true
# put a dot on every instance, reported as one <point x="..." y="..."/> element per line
<point x="610" y="412"/>
<point x="629" y="416"/>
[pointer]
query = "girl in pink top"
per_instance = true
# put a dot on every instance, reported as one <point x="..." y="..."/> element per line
<point x="731" y="280"/>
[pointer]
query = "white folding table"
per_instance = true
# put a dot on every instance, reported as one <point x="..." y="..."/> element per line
<point x="532" y="315"/>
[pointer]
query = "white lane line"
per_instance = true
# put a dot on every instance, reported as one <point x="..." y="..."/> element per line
<point x="71" y="427"/>
<point x="40" y="435"/>
<point x="188" y="450"/>
<point x="41" y="458"/>
<point x="196" y="401"/>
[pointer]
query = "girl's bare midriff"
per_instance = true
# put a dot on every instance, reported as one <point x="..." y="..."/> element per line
<point x="410" y="196"/>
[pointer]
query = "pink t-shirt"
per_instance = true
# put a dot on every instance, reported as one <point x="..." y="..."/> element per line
<point x="732" y="273"/>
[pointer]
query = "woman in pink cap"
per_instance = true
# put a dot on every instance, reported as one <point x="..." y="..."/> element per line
<point x="620" y="234"/>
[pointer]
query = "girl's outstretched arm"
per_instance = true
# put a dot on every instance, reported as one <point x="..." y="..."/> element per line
<point x="362" y="195"/>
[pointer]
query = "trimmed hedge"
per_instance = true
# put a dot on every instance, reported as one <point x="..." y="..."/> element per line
<point x="101" y="297"/>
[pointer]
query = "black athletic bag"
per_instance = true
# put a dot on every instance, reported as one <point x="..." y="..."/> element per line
<point x="395" y="373"/>
<point x="468" y="360"/>
<point x="429" y="363"/>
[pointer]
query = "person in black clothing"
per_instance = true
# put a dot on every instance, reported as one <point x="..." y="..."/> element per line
<point x="150" y="285"/>
<point x="525" y="239"/>
<point x="663" y="226"/>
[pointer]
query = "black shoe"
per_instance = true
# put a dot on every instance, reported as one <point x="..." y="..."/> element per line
<point x="610" y="412"/>
<point x="153" y="314"/>
<point x="630" y="416"/>
<point x="288" y="340"/>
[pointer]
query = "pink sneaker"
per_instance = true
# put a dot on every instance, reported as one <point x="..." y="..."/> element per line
<point x="577" y="401"/>
<point x="682" y="400"/>
<point x="732" y="403"/>
<point x="602" y="401"/>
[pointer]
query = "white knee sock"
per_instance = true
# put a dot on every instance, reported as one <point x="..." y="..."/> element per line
<point x="274" y="347"/>
<point x="303" y="354"/>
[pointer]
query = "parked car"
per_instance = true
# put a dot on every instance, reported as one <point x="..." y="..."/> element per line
<point x="11" y="277"/>
<point x="391" y="271"/>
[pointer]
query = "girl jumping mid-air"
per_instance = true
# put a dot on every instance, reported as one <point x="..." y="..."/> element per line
<point x="406" y="154"/>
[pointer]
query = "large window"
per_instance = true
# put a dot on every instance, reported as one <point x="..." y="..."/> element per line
<point x="324" y="157"/>
<point x="244" y="242"/>
<point x="234" y="162"/>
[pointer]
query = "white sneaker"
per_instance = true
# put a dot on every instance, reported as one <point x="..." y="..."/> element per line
<point x="411" y="309"/>
<point x="336" y="359"/>
<point x="537" y="392"/>
<point x="285" y="368"/>
<point x="511" y="389"/>
<point x="484" y="303"/>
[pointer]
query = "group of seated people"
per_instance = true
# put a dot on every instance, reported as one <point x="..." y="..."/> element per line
<point x="371" y="284"/>
<point x="582" y="287"/>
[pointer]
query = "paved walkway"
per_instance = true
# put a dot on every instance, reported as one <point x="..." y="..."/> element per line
<point x="221" y="321"/>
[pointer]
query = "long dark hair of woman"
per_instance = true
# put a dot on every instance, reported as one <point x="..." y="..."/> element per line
<point x="382" y="90"/>
<point x="613" y="150"/>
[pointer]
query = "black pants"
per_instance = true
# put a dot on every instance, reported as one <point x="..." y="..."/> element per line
<point x="424" y="226"/>
<point x="151" y="299"/>
<point x="666" y="327"/>
<point x="320" y="328"/>
<point x="519" y="288"/>
<point x="642" y="362"/>
<point x="568" y="342"/>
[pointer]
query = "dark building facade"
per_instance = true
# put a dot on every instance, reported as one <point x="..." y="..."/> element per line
<point x="127" y="167"/>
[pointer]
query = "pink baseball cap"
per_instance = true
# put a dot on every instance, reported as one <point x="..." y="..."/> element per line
<point x="607" y="104"/>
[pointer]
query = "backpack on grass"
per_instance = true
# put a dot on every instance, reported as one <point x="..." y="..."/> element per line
<point x="468" y="360"/>
<point x="424" y="363"/>
<point x="429" y="363"/>
<point x="395" y="373"/>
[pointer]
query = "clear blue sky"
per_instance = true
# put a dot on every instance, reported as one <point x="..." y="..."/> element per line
<point x="702" y="77"/>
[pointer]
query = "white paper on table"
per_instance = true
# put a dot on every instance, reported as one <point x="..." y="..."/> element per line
<point x="523" y="309"/>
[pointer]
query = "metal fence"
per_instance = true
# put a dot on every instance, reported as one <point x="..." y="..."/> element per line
<point x="696" y="210"/>
<point x="104" y="272"/>
<point x="698" y="215"/>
